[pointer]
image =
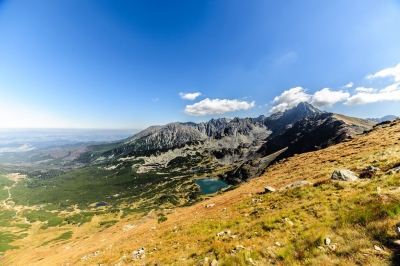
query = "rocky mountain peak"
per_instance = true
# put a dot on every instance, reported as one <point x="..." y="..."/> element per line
<point x="281" y="121"/>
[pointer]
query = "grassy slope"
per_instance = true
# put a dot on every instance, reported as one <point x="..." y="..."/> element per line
<point x="355" y="216"/>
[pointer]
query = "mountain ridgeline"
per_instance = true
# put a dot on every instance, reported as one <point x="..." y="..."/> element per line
<point x="243" y="146"/>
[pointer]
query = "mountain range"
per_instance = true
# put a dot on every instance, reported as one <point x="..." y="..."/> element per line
<point x="245" y="146"/>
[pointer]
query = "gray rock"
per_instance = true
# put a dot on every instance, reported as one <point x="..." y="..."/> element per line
<point x="214" y="263"/>
<point x="139" y="254"/>
<point x="397" y="230"/>
<point x="227" y="232"/>
<point x="344" y="175"/>
<point x="269" y="189"/>
<point x="395" y="242"/>
<point x="287" y="221"/>
<point x="327" y="241"/>
<point x="394" y="170"/>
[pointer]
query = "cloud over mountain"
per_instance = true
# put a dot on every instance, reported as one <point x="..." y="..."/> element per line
<point x="217" y="106"/>
<point x="327" y="97"/>
<point x="323" y="98"/>
<point x="189" y="96"/>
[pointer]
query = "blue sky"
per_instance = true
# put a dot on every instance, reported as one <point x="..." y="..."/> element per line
<point x="132" y="64"/>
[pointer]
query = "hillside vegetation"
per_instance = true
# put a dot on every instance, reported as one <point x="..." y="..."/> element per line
<point x="245" y="226"/>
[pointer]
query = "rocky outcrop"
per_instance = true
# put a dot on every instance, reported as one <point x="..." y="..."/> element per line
<point x="344" y="175"/>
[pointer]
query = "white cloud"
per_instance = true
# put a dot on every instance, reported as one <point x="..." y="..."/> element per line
<point x="363" y="97"/>
<point x="362" y="89"/>
<point x="326" y="97"/>
<point x="349" y="85"/>
<point x="189" y="96"/>
<point x="289" y="99"/>
<point x="392" y="87"/>
<point x="155" y="100"/>
<point x="217" y="106"/>
<point x="387" y="72"/>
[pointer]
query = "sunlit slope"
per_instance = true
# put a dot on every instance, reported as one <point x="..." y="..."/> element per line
<point x="358" y="217"/>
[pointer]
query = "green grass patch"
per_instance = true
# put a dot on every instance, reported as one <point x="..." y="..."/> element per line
<point x="64" y="236"/>
<point x="108" y="223"/>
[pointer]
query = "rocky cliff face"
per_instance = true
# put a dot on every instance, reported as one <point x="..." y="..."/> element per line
<point x="234" y="131"/>
<point x="281" y="121"/>
<point x="316" y="131"/>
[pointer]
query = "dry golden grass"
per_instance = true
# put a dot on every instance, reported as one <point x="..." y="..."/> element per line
<point x="355" y="216"/>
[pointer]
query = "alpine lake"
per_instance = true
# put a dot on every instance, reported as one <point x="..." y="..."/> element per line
<point x="210" y="186"/>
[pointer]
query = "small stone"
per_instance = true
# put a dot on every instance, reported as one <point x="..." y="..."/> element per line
<point x="395" y="242"/>
<point x="327" y="241"/>
<point x="269" y="189"/>
<point x="153" y="228"/>
<point x="377" y="248"/>
<point x="397" y="229"/>
<point x="224" y="209"/>
<point x="287" y="221"/>
<point x="378" y="189"/>
<point x="214" y="263"/>
<point x="277" y="244"/>
<point x="238" y="247"/>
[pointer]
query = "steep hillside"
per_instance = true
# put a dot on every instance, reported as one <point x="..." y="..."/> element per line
<point x="324" y="222"/>
<point x="316" y="131"/>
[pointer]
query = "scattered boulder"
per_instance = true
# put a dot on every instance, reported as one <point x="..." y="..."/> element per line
<point x="237" y="248"/>
<point x="344" y="175"/>
<point x="269" y="189"/>
<point x="210" y="205"/>
<point x="227" y="232"/>
<point x="214" y="263"/>
<point x="287" y="221"/>
<point x="327" y="241"/>
<point x="395" y="242"/>
<point x="397" y="230"/>
<point x="296" y="184"/>
<point x="393" y="170"/>
<point x="139" y="254"/>
<point x="377" y="248"/>
<point x="255" y="200"/>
